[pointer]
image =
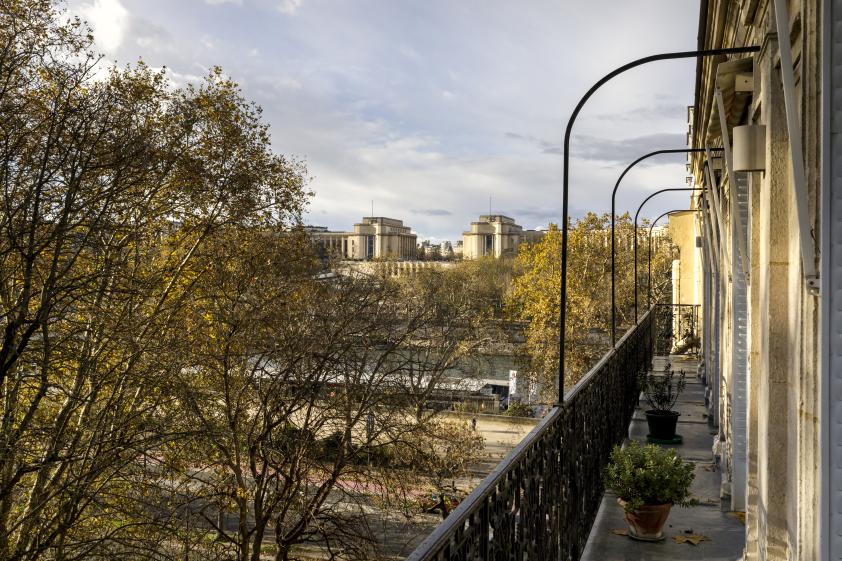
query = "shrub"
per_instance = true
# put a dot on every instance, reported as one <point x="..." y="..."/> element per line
<point x="517" y="409"/>
<point x="649" y="474"/>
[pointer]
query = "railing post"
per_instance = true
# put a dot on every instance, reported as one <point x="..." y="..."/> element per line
<point x="484" y="523"/>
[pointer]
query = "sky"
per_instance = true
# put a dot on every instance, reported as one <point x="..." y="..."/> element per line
<point x="437" y="111"/>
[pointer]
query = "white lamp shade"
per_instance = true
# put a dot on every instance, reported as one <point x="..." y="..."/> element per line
<point x="750" y="148"/>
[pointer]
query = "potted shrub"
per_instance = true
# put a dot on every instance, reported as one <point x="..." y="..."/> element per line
<point x="661" y="392"/>
<point x="648" y="480"/>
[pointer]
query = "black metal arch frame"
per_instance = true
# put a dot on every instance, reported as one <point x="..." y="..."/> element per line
<point x="614" y="225"/>
<point x="563" y="458"/>
<point x="636" y="216"/>
<point x="566" y="174"/>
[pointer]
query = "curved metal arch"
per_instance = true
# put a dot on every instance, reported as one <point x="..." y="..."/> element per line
<point x="614" y="224"/>
<point x="636" y="216"/>
<point x="566" y="173"/>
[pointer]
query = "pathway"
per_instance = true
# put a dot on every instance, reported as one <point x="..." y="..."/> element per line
<point x="724" y="530"/>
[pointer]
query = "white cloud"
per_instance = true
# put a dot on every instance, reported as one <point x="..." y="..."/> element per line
<point x="411" y="108"/>
<point x="179" y="79"/>
<point x="289" y="7"/>
<point x="110" y="21"/>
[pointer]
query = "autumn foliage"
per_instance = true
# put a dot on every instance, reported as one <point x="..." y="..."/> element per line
<point x="178" y="378"/>
<point x="535" y="296"/>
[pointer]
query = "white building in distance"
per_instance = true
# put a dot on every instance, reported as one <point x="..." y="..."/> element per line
<point x="495" y="235"/>
<point x="376" y="237"/>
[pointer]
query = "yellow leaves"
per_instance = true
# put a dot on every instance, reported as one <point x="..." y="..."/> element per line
<point x="691" y="538"/>
<point x="536" y="290"/>
<point x="687" y="537"/>
<point x="535" y="294"/>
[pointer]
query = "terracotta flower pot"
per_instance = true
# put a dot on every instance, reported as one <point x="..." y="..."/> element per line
<point x="647" y="522"/>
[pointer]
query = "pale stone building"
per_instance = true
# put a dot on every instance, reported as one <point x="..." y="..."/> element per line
<point x="495" y="235"/>
<point x="764" y="258"/>
<point x="391" y="268"/>
<point x="447" y="249"/>
<point x="373" y="238"/>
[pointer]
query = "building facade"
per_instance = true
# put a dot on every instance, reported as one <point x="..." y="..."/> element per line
<point x="373" y="238"/>
<point x="391" y="268"/>
<point x="687" y="277"/>
<point x="767" y="272"/>
<point x="496" y="236"/>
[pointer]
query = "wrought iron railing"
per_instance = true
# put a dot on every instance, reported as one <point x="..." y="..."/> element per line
<point x="677" y="329"/>
<point x="540" y="502"/>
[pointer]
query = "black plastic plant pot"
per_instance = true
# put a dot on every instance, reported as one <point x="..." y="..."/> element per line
<point x="662" y="423"/>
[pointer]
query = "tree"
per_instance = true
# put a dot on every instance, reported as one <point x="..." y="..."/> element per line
<point x="304" y="389"/>
<point x="441" y="454"/>
<point x="489" y="281"/>
<point x="169" y="349"/>
<point x="111" y="188"/>
<point x="450" y="322"/>
<point x="536" y="293"/>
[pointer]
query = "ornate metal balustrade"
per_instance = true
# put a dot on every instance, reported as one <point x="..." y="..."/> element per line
<point x="539" y="503"/>
<point x="677" y="329"/>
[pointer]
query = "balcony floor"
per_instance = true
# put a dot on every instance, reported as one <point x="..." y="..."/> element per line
<point x="724" y="530"/>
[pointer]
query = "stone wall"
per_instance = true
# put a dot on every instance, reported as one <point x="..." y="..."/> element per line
<point x="783" y="357"/>
<point x="687" y="288"/>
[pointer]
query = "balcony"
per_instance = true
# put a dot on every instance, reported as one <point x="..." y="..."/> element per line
<point x="546" y="499"/>
<point x="723" y="532"/>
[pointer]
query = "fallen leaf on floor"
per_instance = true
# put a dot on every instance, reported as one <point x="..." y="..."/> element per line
<point x="710" y="467"/>
<point x="694" y="539"/>
<point x="620" y="532"/>
<point x="739" y="515"/>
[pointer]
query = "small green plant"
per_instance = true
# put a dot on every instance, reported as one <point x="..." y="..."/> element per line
<point x="662" y="390"/>
<point x="649" y="474"/>
<point x="518" y="409"/>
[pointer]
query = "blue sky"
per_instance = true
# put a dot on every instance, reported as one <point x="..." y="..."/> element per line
<point x="429" y="108"/>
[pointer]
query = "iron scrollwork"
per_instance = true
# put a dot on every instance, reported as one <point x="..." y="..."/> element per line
<point x="677" y="329"/>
